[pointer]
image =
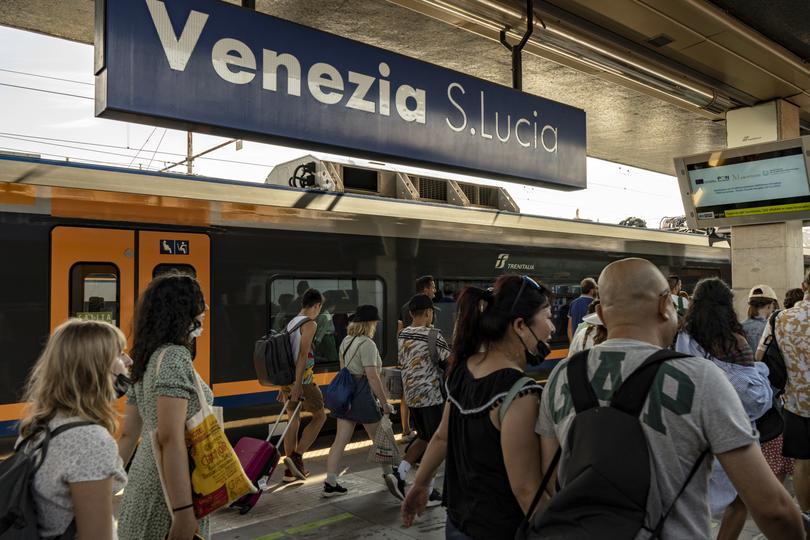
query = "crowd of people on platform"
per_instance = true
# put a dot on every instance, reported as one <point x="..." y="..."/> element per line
<point x="721" y="407"/>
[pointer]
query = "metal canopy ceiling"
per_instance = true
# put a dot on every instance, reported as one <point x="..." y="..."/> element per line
<point x="646" y="101"/>
<point x="786" y="22"/>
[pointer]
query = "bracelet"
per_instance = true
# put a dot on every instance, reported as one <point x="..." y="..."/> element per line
<point x="179" y="508"/>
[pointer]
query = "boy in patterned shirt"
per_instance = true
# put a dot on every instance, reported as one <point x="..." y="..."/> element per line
<point x="423" y="354"/>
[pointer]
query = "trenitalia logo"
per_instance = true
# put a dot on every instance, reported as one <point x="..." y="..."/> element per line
<point x="502" y="263"/>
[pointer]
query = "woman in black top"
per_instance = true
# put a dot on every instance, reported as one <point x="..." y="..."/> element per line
<point x="493" y="470"/>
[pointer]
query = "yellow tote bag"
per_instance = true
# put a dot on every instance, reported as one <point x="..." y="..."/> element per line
<point x="217" y="477"/>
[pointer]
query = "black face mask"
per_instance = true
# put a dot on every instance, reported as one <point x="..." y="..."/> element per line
<point x="543" y="350"/>
<point x="121" y="385"/>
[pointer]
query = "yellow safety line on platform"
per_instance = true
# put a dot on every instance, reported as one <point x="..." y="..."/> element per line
<point x="307" y="526"/>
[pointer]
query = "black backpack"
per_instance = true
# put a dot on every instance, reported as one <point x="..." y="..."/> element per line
<point x="773" y="358"/>
<point x="273" y="357"/>
<point x="18" y="515"/>
<point x="771" y="424"/>
<point x="608" y="463"/>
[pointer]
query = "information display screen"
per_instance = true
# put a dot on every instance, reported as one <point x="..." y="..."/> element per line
<point x="770" y="183"/>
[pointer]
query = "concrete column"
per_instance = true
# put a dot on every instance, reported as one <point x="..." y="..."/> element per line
<point x="772" y="254"/>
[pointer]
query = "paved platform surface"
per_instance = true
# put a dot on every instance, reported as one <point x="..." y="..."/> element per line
<point x="298" y="511"/>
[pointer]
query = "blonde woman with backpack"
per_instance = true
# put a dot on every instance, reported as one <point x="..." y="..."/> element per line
<point x="358" y="354"/>
<point x="72" y="390"/>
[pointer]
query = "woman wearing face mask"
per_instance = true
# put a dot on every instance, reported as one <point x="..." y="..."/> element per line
<point x="169" y="316"/>
<point x="73" y="383"/>
<point x="493" y="468"/>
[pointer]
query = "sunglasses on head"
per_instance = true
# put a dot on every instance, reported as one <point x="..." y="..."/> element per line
<point x="525" y="280"/>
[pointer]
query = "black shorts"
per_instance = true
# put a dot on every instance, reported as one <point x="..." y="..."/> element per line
<point x="796" y="436"/>
<point x="426" y="420"/>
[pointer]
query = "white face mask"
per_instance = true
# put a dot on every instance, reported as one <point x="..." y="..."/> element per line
<point x="196" y="330"/>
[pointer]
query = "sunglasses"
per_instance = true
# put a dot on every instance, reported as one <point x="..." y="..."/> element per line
<point x="525" y="280"/>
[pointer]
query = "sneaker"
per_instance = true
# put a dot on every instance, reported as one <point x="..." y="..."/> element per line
<point x="435" y="499"/>
<point x="333" y="491"/>
<point x="295" y="463"/>
<point x="408" y="437"/>
<point x="395" y="484"/>
<point x="288" y="476"/>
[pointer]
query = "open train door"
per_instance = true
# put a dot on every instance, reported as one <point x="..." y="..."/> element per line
<point x="160" y="252"/>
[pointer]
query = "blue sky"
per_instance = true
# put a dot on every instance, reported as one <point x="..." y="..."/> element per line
<point x="46" y="108"/>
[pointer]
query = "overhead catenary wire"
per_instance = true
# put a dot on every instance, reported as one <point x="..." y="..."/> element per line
<point x="50" y="77"/>
<point x="54" y="92"/>
<point x="156" y="148"/>
<point x="105" y="152"/>
<point x="69" y="158"/>
<point x="142" y="146"/>
<point x="36" y="138"/>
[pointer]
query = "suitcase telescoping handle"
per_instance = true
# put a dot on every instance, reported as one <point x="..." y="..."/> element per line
<point x="290" y="418"/>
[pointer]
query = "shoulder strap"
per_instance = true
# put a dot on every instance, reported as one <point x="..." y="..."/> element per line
<point x="632" y="393"/>
<point x="511" y="395"/>
<point x="772" y="322"/>
<point x="582" y="393"/>
<point x="70" y="425"/>
<point x="48" y="434"/>
<point x="356" y="350"/>
<point x="433" y="336"/>
<point x="299" y="324"/>
<point x="656" y="533"/>
<point x="543" y="484"/>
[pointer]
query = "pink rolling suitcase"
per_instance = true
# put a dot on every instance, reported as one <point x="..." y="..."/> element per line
<point x="259" y="459"/>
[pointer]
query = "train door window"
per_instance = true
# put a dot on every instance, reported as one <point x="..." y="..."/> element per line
<point x="95" y="292"/>
<point x="341" y="298"/>
<point x="161" y="269"/>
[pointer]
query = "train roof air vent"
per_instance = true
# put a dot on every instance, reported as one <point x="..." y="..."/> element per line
<point x="432" y="189"/>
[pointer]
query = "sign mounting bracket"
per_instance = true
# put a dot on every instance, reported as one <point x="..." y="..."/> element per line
<point x="517" y="50"/>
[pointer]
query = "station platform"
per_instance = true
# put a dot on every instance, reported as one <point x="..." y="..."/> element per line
<point x="298" y="511"/>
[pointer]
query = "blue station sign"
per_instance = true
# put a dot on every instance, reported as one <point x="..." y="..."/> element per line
<point x="213" y="67"/>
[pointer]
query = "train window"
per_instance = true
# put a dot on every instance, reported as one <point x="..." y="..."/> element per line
<point x="341" y="297"/>
<point x="177" y="268"/>
<point x="95" y="292"/>
<point x="449" y="290"/>
<point x="447" y="293"/>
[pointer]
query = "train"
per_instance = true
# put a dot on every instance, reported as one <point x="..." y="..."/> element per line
<point x="81" y="240"/>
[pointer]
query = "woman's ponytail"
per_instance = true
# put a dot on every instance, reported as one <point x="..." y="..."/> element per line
<point x="467" y="339"/>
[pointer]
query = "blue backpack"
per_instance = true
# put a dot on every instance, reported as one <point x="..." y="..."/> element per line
<point x="340" y="392"/>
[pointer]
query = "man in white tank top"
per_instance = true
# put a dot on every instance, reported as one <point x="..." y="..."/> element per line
<point x="302" y="331"/>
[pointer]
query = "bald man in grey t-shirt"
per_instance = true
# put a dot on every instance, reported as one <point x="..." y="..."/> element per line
<point x="691" y="407"/>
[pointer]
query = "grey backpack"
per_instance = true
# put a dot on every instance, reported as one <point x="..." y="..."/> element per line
<point x="18" y="514"/>
<point x="273" y="357"/>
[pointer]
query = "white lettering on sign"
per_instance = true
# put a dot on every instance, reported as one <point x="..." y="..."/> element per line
<point x="323" y="77"/>
<point x="457" y="106"/>
<point x="272" y="61"/>
<point x="235" y="62"/>
<point x="222" y="57"/>
<point x="178" y="51"/>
